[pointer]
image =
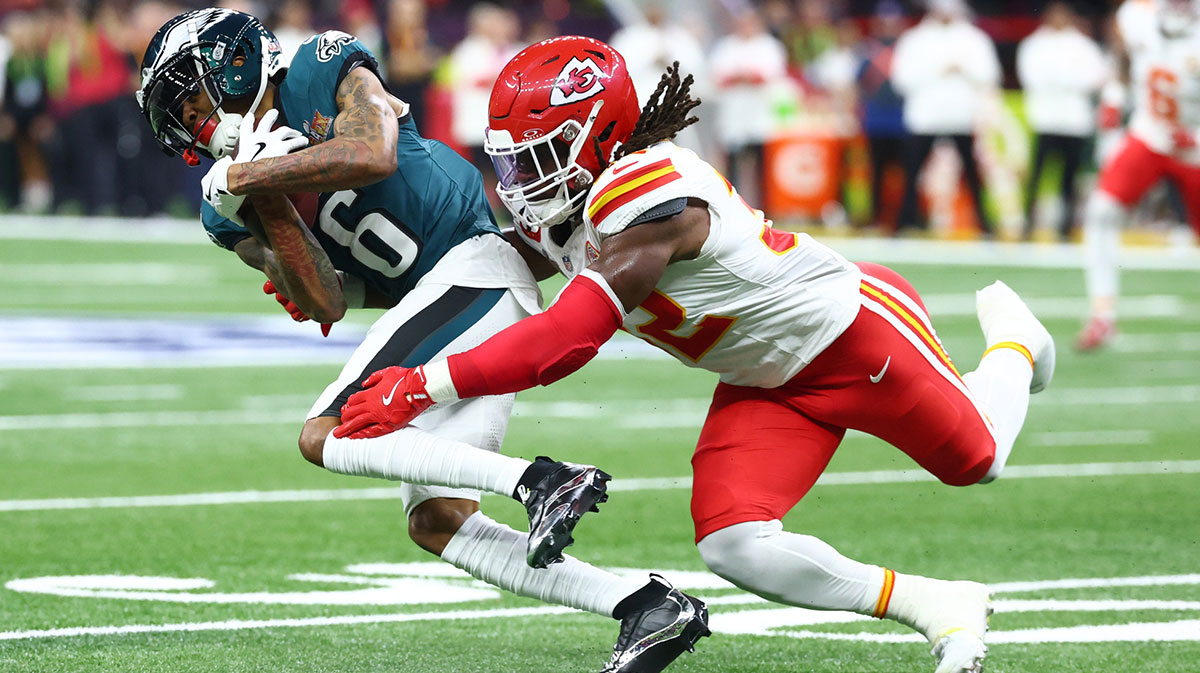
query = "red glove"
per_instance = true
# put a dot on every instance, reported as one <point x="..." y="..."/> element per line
<point x="390" y="399"/>
<point x="290" y="306"/>
<point x="1108" y="117"/>
<point x="1183" y="139"/>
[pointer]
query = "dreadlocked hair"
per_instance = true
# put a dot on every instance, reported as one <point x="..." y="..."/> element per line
<point x="665" y="114"/>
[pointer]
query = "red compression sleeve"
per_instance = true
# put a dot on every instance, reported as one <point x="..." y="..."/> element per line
<point x="540" y="349"/>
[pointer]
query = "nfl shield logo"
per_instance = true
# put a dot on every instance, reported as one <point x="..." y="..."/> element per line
<point x="566" y="259"/>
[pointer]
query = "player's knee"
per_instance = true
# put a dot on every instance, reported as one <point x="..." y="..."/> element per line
<point x="731" y="552"/>
<point x="432" y="523"/>
<point x="970" y="470"/>
<point x="312" y="439"/>
<point x="969" y="476"/>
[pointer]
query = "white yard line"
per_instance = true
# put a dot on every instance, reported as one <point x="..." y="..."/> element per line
<point x="149" y="419"/>
<point x="1070" y="470"/>
<point x="882" y="250"/>
<point x="1157" y="343"/>
<point x="1090" y="438"/>
<point x="126" y="273"/>
<point x="1067" y="307"/>
<point x="244" y="624"/>
<point x="125" y="393"/>
<point x="635" y="413"/>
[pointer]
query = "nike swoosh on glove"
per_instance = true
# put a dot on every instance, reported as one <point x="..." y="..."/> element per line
<point x="255" y="142"/>
<point x="390" y="399"/>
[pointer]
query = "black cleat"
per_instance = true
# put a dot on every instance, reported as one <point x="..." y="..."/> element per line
<point x="555" y="505"/>
<point x="652" y="638"/>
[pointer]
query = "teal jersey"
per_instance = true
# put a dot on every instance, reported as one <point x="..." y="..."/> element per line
<point x="393" y="232"/>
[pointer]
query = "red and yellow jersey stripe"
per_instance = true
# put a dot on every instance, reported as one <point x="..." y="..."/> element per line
<point x="629" y="186"/>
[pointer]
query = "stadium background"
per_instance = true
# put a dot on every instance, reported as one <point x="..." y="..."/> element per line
<point x="156" y="516"/>
<point x="72" y="142"/>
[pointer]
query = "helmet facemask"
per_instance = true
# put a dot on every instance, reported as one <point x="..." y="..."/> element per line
<point x="202" y="67"/>
<point x="540" y="180"/>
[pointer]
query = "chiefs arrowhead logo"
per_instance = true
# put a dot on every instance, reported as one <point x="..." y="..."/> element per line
<point x="579" y="80"/>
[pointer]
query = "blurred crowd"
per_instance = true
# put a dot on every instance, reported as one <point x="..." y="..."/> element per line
<point x="854" y="111"/>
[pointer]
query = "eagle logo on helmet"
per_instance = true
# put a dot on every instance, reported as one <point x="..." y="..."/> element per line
<point x="579" y="80"/>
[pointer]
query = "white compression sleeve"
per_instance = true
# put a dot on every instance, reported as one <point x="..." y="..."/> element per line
<point x="793" y="569"/>
<point x="419" y="457"/>
<point x="1001" y="385"/>
<point x="495" y="553"/>
<point x="1103" y="221"/>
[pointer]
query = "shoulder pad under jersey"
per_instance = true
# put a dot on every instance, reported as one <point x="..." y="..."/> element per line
<point x="643" y="182"/>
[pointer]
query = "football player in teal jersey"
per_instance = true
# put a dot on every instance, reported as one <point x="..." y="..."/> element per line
<point x="402" y="222"/>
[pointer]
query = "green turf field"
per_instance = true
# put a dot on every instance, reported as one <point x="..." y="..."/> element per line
<point x="155" y="514"/>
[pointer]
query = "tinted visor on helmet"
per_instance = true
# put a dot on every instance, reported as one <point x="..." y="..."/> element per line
<point x="534" y="166"/>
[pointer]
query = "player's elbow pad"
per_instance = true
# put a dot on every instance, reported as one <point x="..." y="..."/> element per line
<point x="541" y="349"/>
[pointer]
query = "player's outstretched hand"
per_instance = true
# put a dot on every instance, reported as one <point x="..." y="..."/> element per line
<point x="290" y="306"/>
<point x="390" y="399"/>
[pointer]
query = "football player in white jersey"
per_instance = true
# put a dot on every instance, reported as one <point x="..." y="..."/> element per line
<point x="1160" y="71"/>
<point x="807" y="344"/>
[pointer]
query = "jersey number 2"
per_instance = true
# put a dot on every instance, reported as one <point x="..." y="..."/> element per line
<point x="669" y="316"/>
<point x="377" y="240"/>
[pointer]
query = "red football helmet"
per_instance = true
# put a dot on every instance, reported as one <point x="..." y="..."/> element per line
<point x="558" y="111"/>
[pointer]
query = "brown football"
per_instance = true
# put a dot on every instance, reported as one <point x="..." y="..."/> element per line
<point x="306" y="205"/>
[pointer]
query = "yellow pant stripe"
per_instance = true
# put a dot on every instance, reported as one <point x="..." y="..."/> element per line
<point x="1013" y="346"/>
<point x="885" y="594"/>
<point x="914" y="323"/>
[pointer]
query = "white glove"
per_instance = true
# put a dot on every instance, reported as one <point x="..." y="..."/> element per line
<point x="254" y="143"/>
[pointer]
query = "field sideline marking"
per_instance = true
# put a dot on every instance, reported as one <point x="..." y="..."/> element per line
<point x="1070" y="470"/>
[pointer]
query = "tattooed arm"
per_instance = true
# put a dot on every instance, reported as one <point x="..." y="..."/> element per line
<point x="362" y="152"/>
<point x="291" y="257"/>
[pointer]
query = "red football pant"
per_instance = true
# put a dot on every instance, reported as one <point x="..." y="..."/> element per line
<point x="1135" y="168"/>
<point x="762" y="449"/>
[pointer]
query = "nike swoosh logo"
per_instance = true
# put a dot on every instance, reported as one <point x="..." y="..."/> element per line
<point x="261" y="147"/>
<point x="621" y="169"/>
<point x="387" y="399"/>
<point x="879" y="377"/>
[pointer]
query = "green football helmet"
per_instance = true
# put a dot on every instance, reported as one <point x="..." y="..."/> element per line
<point x="198" y="52"/>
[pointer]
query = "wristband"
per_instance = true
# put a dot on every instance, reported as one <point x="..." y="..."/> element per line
<point x="438" y="384"/>
<point x="354" y="290"/>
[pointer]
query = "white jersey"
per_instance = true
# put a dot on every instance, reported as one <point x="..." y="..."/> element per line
<point x="755" y="306"/>
<point x="1165" y="76"/>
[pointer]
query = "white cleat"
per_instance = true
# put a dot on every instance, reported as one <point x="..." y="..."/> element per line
<point x="953" y="617"/>
<point x="960" y="652"/>
<point x="956" y="623"/>
<point x="1004" y="317"/>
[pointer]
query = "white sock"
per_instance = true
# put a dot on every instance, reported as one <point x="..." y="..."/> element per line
<point x="495" y="553"/>
<point x="801" y="570"/>
<point x="419" y="457"/>
<point x="1104" y="219"/>
<point x="1001" y="385"/>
